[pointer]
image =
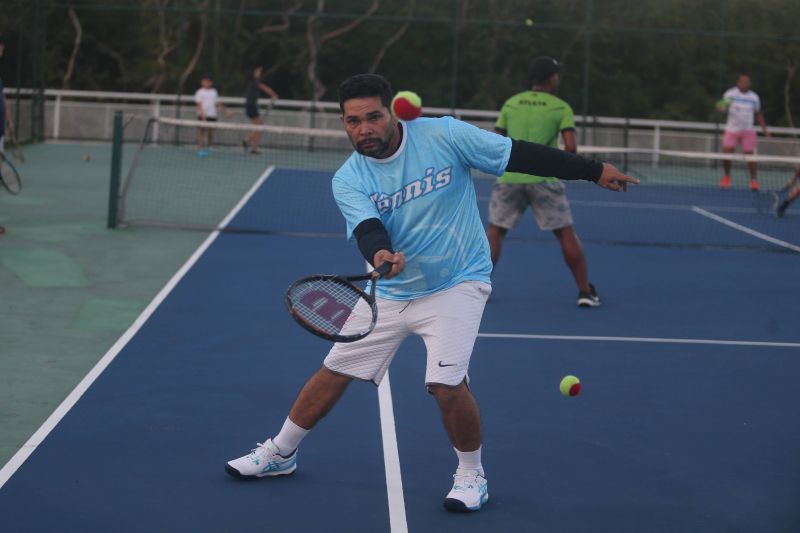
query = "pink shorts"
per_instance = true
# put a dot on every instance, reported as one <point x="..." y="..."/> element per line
<point x="747" y="139"/>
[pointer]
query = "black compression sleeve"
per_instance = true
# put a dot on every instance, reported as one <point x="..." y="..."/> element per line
<point x="541" y="160"/>
<point x="372" y="237"/>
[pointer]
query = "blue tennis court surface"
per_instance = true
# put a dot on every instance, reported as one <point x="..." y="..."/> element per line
<point x="687" y="420"/>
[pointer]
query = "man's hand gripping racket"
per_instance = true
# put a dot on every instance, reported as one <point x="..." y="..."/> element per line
<point x="332" y="307"/>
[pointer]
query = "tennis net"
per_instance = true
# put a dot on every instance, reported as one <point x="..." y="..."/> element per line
<point x="169" y="182"/>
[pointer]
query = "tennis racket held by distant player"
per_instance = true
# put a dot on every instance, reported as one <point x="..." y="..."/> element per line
<point x="16" y="151"/>
<point x="323" y="304"/>
<point x="9" y="178"/>
<point x="768" y="201"/>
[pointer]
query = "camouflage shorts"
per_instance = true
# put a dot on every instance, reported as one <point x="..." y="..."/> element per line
<point x="548" y="201"/>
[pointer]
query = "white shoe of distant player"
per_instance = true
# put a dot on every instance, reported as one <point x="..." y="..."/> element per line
<point x="470" y="491"/>
<point x="264" y="460"/>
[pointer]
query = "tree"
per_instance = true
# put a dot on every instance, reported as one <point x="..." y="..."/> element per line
<point x="649" y="58"/>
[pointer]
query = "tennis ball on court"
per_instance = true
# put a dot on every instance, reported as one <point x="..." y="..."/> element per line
<point x="529" y="22"/>
<point x="570" y="386"/>
<point x="406" y="105"/>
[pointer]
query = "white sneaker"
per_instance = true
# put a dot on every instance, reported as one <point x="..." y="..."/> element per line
<point x="265" y="460"/>
<point x="470" y="491"/>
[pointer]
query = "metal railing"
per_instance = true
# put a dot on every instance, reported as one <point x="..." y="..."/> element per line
<point x="88" y="115"/>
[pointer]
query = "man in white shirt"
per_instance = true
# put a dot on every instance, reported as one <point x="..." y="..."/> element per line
<point x="207" y="102"/>
<point x="742" y="106"/>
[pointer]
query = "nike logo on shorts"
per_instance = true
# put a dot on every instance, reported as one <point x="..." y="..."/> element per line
<point x="441" y="365"/>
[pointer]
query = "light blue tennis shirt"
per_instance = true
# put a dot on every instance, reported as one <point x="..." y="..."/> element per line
<point x="425" y="198"/>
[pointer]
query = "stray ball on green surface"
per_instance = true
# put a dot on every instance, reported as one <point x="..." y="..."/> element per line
<point x="407" y="105"/>
<point x="570" y="386"/>
<point x="529" y="22"/>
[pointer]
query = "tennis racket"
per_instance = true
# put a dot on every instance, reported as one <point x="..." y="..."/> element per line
<point x="766" y="202"/>
<point x="16" y="151"/>
<point x="9" y="178"/>
<point x="324" y="304"/>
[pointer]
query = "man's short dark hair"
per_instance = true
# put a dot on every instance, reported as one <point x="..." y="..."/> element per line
<point x="542" y="68"/>
<point x="365" y="85"/>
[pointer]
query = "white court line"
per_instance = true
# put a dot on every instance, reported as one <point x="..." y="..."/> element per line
<point x="745" y="229"/>
<point x="391" y="459"/>
<point x="391" y="455"/>
<point x="72" y="398"/>
<point x="649" y="206"/>
<point x="767" y="344"/>
<point x="668" y="207"/>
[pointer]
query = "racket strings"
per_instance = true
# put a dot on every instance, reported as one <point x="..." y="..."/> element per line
<point x="9" y="176"/>
<point x="325" y="304"/>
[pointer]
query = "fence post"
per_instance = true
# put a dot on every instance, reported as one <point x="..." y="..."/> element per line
<point x="156" y="113"/>
<point x="656" y="144"/>
<point x="587" y="58"/>
<point x="57" y="118"/>
<point x="38" y="36"/>
<point x="626" y="143"/>
<point x="116" y="171"/>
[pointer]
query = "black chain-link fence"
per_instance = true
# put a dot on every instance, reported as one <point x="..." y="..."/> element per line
<point x="665" y="59"/>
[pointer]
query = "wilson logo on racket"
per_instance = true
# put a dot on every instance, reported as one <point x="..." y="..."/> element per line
<point x="327" y="307"/>
<point x="322" y="304"/>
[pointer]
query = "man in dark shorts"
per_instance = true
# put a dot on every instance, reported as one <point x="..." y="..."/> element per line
<point x="207" y="100"/>
<point x="254" y="87"/>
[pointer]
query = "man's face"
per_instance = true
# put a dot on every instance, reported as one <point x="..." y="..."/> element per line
<point x="743" y="83"/>
<point x="206" y="83"/>
<point x="369" y="124"/>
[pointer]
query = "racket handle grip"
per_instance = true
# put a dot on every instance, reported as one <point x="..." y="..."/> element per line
<point x="384" y="269"/>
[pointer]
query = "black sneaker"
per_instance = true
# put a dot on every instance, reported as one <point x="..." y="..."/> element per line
<point x="782" y="208"/>
<point x="589" y="299"/>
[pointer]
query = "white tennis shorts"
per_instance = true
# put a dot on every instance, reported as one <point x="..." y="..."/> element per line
<point x="447" y="321"/>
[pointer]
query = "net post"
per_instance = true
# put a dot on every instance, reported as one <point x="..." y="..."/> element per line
<point x="626" y="143"/>
<point x="116" y="171"/>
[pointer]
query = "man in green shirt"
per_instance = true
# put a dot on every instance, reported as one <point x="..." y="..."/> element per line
<point x="539" y="116"/>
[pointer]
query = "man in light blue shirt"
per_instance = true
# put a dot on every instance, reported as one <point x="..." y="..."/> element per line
<point x="407" y="196"/>
<point x="424" y="196"/>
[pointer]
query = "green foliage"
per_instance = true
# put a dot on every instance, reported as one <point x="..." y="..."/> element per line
<point x="649" y="58"/>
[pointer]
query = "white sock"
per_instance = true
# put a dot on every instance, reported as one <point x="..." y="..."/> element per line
<point x="470" y="460"/>
<point x="289" y="438"/>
